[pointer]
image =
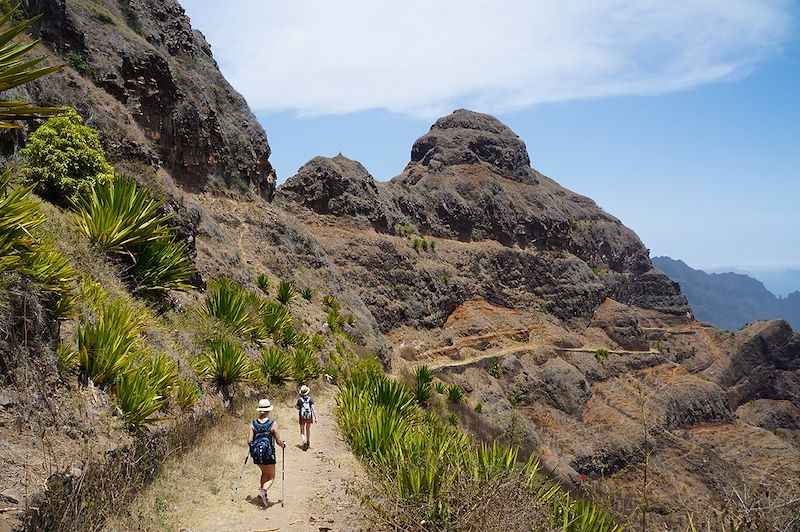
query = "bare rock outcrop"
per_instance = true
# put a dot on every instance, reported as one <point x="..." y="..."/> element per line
<point x="470" y="181"/>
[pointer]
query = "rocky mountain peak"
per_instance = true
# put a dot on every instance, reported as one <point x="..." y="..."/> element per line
<point x="468" y="137"/>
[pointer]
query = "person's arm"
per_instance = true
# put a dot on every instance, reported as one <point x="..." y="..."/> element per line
<point x="250" y="435"/>
<point x="277" y="434"/>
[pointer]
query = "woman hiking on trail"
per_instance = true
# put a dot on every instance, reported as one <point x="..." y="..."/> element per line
<point x="262" y="439"/>
<point x="307" y="416"/>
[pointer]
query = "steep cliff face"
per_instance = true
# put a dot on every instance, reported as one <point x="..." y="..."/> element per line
<point x="140" y="74"/>
<point x="470" y="181"/>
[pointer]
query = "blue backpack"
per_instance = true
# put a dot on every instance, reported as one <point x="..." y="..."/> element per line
<point x="262" y="448"/>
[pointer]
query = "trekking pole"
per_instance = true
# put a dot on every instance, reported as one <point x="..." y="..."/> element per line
<point x="283" y="473"/>
<point x="241" y="473"/>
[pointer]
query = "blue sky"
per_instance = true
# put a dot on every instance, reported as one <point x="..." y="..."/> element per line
<point x="682" y="121"/>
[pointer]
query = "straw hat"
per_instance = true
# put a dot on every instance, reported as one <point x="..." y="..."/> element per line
<point x="264" y="405"/>
<point x="304" y="390"/>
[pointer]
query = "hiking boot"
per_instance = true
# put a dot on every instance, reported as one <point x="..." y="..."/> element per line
<point x="263" y="494"/>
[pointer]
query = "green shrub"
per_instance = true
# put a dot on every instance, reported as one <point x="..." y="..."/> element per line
<point x="308" y="294"/>
<point x="286" y="292"/>
<point x="80" y="64"/>
<point x="52" y="271"/>
<point x="455" y="394"/>
<point x="440" y="387"/>
<point x="276" y="366"/>
<point x="262" y="281"/>
<point x="421" y="387"/>
<point x="138" y="398"/>
<point x="306" y="366"/>
<point x="63" y="159"/>
<point x="452" y="419"/>
<point x="187" y="394"/>
<point x="495" y="370"/>
<point x="601" y="355"/>
<point x="317" y="342"/>
<point x="478" y="408"/>
<point x="106" y="347"/>
<point x="225" y="363"/>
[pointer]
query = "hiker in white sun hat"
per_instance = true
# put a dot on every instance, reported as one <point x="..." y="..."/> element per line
<point x="263" y="436"/>
<point x="307" y="416"/>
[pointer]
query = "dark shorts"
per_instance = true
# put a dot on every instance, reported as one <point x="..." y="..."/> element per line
<point x="305" y="421"/>
<point x="267" y="462"/>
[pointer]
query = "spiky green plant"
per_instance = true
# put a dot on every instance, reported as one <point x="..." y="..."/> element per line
<point x="66" y="358"/>
<point x="160" y="266"/>
<point x="138" y="397"/>
<point x="276" y="366"/>
<point x="230" y="303"/>
<point x="307" y="293"/>
<point x="19" y="218"/>
<point x="274" y="319"/>
<point x="52" y="271"/>
<point x="16" y="70"/>
<point x="440" y="387"/>
<point x="455" y="393"/>
<point x="286" y="292"/>
<point x="162" y="372"/>
<point x="187" y="393"/>
<point x="421" y="386"/>
<point x="263" y="282"/>
<point x="106" y="346"/>
<point x="120" y="215"/>
<point x="225" y="363"/>
<point x="306" y="365"/>
<point x="124" y="219"/>
<point x="328" y="301"/>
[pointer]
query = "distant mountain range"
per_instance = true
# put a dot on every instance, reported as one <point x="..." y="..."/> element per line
<point x="729" y="300"/>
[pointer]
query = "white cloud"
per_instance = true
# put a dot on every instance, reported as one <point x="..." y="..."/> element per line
<point x="424" y="57"/>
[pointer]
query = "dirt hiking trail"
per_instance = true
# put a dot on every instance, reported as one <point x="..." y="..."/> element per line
<point x="193" y="492"/>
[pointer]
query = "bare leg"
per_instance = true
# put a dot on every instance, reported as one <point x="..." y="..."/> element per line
<point x="308" y="434"/>
<point x="267" y="476"/>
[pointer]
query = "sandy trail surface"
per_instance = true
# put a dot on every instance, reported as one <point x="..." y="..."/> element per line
<point x="194" y="492"/>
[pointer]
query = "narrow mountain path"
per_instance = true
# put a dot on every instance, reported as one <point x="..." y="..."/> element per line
<point x="193" y="493"/>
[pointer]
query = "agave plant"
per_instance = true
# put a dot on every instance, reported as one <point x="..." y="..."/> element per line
<point x="225" y="363"/>
<point x="274" y="318"/>
<point x="230" y="303"/>
<point x="187" y="393"/>
<point x="276" y="366"/>
<point x="161" y="265"/>
<point x="286" y="292"/>
<point x="422" y="387"/>
<point x="262" y="281"/>
<point x="308" y="294"/>
<point x="66" y="358"/>
<point x="119" y="216"/>
<point x="162" y="372"/>
<point x="455" y="394"/>
<point x="107" y="346"/>
<point x="306" y="365"/>
<point x="16" y="70"/>
<point x="19" y="218"/>
<point x="138" y="397"/>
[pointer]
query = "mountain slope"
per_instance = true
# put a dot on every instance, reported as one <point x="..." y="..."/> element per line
<point x="729" y="300"/>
